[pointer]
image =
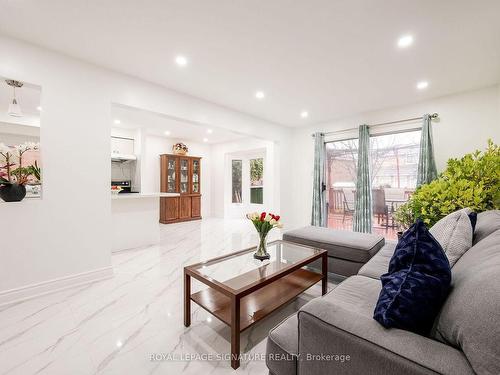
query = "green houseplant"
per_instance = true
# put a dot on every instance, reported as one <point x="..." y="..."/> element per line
<point x="470" y="181"/>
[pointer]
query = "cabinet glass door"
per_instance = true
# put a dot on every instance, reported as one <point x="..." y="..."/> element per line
<point x="184" y="182"/>
<point x="196" y="177"/>
<point x="171" y="176"/>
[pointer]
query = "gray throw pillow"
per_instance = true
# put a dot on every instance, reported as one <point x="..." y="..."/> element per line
<point x="454" y="234"/>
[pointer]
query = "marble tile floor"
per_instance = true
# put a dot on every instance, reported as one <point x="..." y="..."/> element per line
<point x="117" y="325"/>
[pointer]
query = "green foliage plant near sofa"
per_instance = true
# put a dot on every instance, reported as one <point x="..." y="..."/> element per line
<point x="471" y="181"/>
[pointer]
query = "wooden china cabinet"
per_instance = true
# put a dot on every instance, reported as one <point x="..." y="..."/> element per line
<point x="180" y="174"/>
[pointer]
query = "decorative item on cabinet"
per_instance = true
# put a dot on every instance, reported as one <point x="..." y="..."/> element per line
<point x="180" y="149"/>
<point x="180" y="174"/>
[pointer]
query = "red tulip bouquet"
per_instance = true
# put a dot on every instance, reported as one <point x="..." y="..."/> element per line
<point x="264" y="222"/>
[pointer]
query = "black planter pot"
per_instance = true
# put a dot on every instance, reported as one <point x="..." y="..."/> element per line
<point x="12" y="193"/>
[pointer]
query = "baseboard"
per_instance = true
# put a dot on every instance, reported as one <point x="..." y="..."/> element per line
<point x="50" y="286"/>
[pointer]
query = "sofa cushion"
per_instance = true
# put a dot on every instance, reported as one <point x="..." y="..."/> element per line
<point x="379" y="264"/>
<point x="353" y="246"/>
<point x="454" y="233"/>
<point x="417" y="283"/>
<point x="338" y="266"/>
<point x="487" y="223"/>
<point x="282" y="347"/>
<point x="349" y="308"/>
<point x="470" y="317"/>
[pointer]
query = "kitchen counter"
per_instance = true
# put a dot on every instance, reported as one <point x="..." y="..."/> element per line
<point x="136" y="219"/>
<point x="143" y="195"/>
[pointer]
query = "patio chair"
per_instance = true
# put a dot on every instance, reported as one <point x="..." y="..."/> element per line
<point x="395" y="197"/>
<point x="348" y="202"/>
<point x="380" y="208"/>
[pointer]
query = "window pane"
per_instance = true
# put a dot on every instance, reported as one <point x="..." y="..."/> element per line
<point x="257" y="181"/>
<point x="394" y="160"/>
<point x="393" y="168"/>
<point x="236" y="180"/>
<point x="257" y="195"/>
<point x="341" y="173"/>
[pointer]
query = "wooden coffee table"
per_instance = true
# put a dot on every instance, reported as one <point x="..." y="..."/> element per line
<point x="242" y="290"/>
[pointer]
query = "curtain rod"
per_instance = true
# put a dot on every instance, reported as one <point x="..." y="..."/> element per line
<point x="433" y="117"/>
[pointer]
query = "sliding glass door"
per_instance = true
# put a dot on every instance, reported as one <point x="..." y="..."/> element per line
<point x="393" y="171"/>
<point x="341" y="166"/>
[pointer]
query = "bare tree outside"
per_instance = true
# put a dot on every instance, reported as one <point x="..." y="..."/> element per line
<point x="236" y="174"/>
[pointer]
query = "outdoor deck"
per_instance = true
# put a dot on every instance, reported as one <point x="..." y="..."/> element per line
<point x="335" y="222"/>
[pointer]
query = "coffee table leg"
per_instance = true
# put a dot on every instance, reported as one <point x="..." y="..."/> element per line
<point x="324" y="269"/>
<point x="235" y="332"/>
<point x="187" y="299"/>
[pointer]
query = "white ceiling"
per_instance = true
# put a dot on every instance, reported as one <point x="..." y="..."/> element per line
<point x="157" y="124"/>
<point x="28" y="98"/>
<point x="330" y="57"/>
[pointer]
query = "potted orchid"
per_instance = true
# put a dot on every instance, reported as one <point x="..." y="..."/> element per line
<point x="13" y="175"/>
<point x="264" y="223"/>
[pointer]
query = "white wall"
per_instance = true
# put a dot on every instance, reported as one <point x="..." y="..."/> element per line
<point x="68" y="231"/>
<point x="13" y="134"/>
<point x="150" y="173"/>
<point x="467" y="120"/>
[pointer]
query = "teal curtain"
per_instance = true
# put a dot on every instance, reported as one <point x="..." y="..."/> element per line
<point x="426" y="163"/>
<point x="319" y="200"/>
<point x="363" y="203"/>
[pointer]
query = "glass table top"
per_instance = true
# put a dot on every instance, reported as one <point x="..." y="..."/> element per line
<point x="241" y="269"/>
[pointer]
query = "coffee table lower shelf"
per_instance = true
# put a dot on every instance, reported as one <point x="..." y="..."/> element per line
<point x="260" y="303"/>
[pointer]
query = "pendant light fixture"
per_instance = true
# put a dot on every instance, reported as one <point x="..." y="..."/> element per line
<point x="14" y="107"/>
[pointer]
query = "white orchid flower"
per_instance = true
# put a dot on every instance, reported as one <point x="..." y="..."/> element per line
<point x="27" y="146"/>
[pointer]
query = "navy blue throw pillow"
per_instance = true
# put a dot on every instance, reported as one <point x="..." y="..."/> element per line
<point x="417" y="283"/>
<point x="473" y="220"/>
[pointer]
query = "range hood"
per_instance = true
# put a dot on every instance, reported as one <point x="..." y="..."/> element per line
<point x="121" y="158"/>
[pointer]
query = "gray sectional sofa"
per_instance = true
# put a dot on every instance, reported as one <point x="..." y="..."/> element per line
<point x="336" y="334"/>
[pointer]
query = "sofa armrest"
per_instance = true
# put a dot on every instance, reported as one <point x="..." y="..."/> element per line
<point x="325" y="328"/>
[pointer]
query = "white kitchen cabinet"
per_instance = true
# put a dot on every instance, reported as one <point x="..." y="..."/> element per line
<point x="122" y="146"/>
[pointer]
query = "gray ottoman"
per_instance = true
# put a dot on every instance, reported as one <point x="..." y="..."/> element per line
<point x="347" y="251"/>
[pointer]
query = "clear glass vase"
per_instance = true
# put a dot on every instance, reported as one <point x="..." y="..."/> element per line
<point x="261" y="252"/>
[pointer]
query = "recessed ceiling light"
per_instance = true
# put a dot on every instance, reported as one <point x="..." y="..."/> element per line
<point x="209" y="131"/>
<point x="119" y="344"/>
<point x="181" y="60"/>
<point x="117" y="122"/>
<point x="405" y="41"/>
<point x="260" y="95"/>
<point x="205" y="139"/>
<point x="422" y="85"/>
<point x="167" y="132"/>
<point x="304" y="114"/>
<point x="39" y="108"/>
